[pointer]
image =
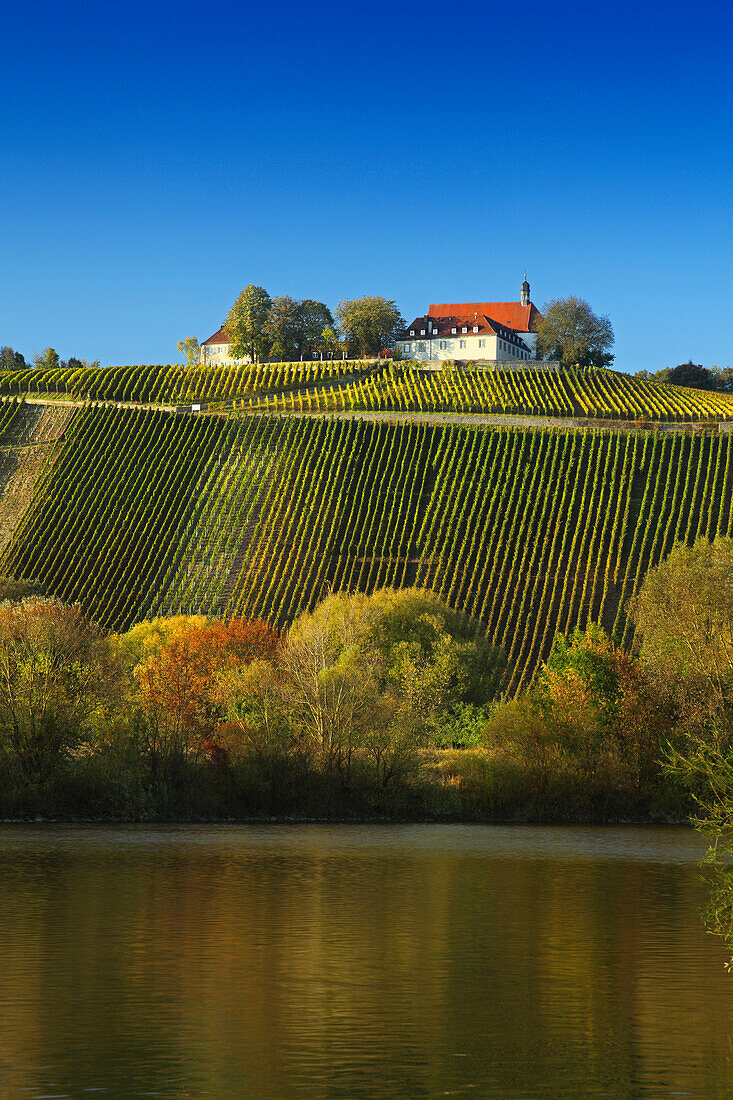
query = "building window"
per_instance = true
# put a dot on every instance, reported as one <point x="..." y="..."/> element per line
<point x="421" y="346"/>
<point x="407" y="349"/>
<point x="475" y="328"/>
<point x="443" y="345"/>
<point x="412" y="332"/>
<point x="422" y="331"/>
<point x="453" y="331"/>
<point x="482" y="343"/>
<point x="464" y="329"/>
<point x="462" y="343"/>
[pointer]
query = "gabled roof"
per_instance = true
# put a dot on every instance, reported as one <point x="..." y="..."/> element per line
<point x="443" y="325"/>
<point x="512" y="314"/>
<point x="221" y="336"/>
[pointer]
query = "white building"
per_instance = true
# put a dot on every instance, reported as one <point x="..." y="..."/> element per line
<point x="214" y="352"/>
<point x="498" y="331"/>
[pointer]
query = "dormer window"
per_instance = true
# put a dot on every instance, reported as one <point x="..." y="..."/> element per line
<point x="464" y="329"/>
<point x="453" y="331"/>
<point x="475" y="328"/>
<point x="412" y="332"/>
<point x="422" y="331"/>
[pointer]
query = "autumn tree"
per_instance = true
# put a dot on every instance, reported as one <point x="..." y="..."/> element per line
<point x="246" y="324"/>
<point x="179" y="683"/>
<point x="570" y="332"/>
<point x="54" y="677"/>
<point x="587" y="736"/>
<point x="430" y="656"/>
<point x="369" y="324"/>
<point x="332" y="691"/>
<point x="191" y="350"/>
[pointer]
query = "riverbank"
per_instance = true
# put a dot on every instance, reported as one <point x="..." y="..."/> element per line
<point x="448" y="786"/>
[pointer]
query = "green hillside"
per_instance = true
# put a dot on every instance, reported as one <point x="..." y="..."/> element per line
<point x="144" y="512"/>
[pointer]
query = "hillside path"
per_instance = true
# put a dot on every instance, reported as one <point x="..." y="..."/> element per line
<point x="494" y="420"/>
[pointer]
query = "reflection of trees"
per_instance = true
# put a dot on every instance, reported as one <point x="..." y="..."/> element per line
<point x="355" y="963"/>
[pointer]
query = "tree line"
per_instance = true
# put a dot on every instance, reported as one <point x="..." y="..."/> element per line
<point x="391" y="704"/>
<point x="695" y="375"/>
<point x="283" y="329"/>
<point x="48" y="359"/>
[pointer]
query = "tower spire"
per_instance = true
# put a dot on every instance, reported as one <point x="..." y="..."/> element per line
<point x="524" y="294"/>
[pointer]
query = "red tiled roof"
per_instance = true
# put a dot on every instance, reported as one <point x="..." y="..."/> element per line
<point x="512" y="314"/>
<point x="221" y="336"/>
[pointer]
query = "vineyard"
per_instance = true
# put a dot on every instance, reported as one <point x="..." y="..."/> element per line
<point x="344" y="386"/>
<point x="145" y="512"/>
<point x="172" y="385"/>
<point x="526" y="391"/>
<point x="9" y="411"/>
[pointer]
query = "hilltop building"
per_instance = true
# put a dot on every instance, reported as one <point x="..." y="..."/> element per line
<point x="474" y="330"/>
<point x="214" y="352"/>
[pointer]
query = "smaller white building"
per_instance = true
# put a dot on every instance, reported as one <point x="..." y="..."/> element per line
<point x="215" y="352"/>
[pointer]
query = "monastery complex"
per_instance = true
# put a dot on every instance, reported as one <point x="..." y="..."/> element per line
<point x="476" y="331"/>
<point x="497" y="331"/>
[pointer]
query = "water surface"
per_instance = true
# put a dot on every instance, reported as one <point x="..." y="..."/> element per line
<point x="365" y="961"/>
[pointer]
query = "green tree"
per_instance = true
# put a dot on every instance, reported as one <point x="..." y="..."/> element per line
<point x="569" y="331"/>
<point x="284" y="329"/>
<point x="431" y="657"/>
<point x="683" y="614"/>
<point x="246" y="324"/>
<point x="372" y="670"/>
<point x="54" y="678"/>
<point x="329" y="342"/>
<point x="14" y="590"/>
<point x="191" y="350"/>
<point x="684" y="618"/>
<point x="315" y="317"/>
<point x="48" y="359"/>
<point x="11" y="359"/>
<point x="369" y="324"/>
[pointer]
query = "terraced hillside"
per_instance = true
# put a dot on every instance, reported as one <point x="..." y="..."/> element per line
<point x="28" y="434"/>
<point x="387" y="387"/>
<point x="530" y="391"/>
<point x="171" y="385"/>
<point x="534" y="531"/>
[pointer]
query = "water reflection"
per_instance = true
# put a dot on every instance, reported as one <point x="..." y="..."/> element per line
<point x="359" y="962"/>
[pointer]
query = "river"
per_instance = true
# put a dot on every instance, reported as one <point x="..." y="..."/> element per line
<point x="359" y="962"/>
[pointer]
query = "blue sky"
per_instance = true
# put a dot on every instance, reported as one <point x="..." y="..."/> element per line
<point x="159" y="157"/>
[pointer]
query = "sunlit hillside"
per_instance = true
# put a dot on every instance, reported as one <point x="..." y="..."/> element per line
<point x="141" y="512"/>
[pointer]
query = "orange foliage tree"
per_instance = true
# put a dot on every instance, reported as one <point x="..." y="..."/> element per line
<point x="180" y="686"/>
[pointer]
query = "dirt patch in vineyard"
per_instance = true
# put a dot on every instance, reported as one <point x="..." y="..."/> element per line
<point x="28" y="447"/>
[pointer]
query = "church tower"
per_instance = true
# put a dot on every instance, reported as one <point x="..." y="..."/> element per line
<point x="524" y="296"/>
